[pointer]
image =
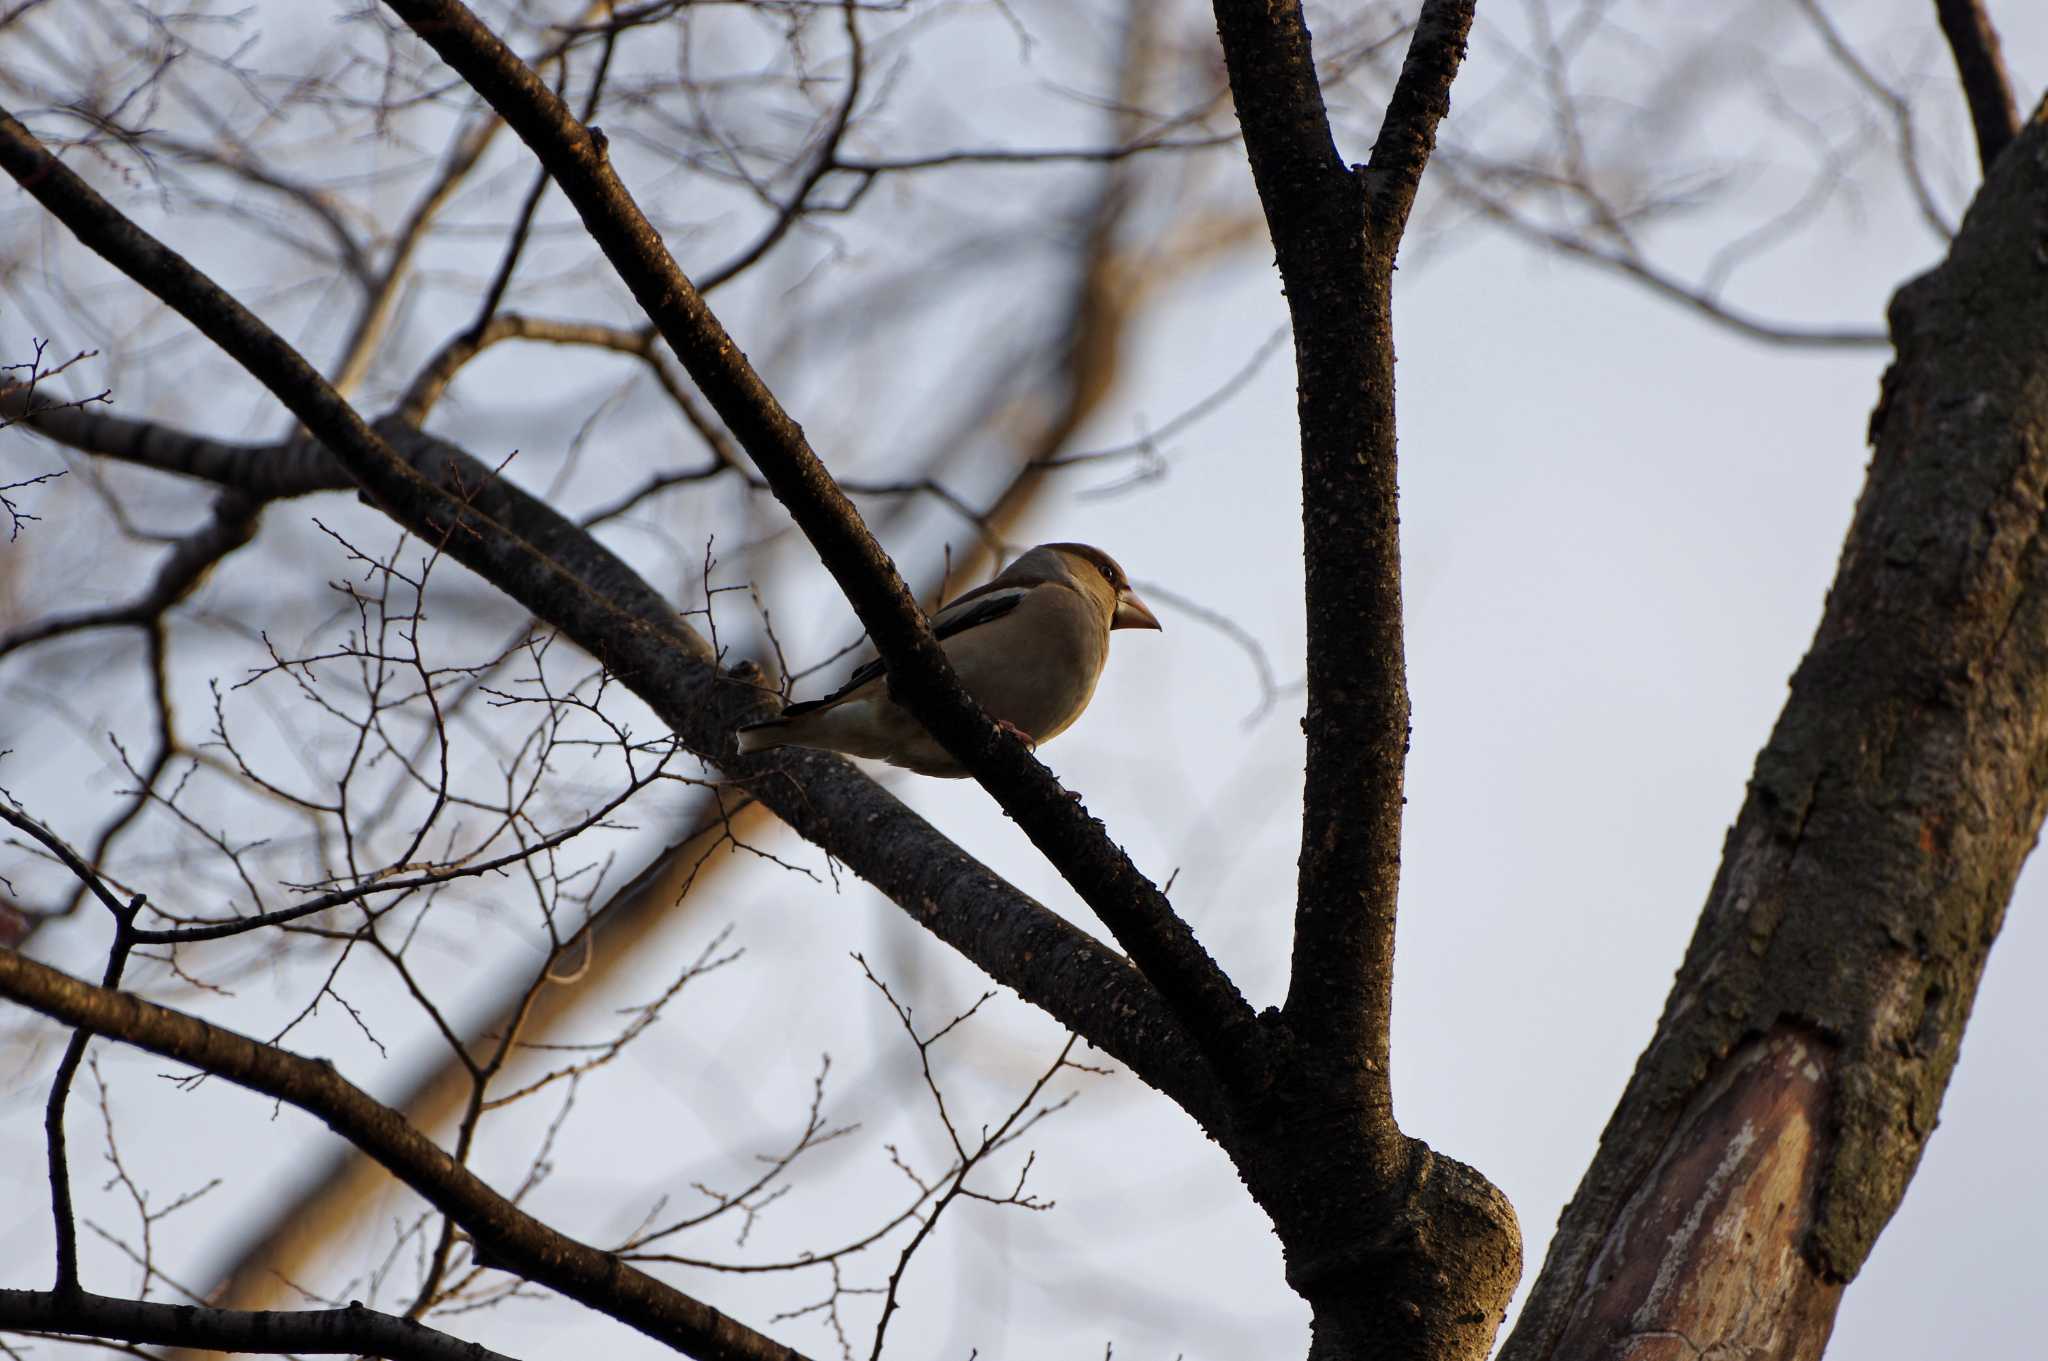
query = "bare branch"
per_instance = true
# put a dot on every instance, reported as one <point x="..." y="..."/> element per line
<point x="1336" y="233"/>
<point x="1980" y="65"/>
<point x="381" y="295"/>
<point x="232" y="525"/>
<point x="435" y="376"/>
<point x="293" y="467"/>
<point x="1137" y="913"/>
<point x="74" y="1050"/>
<point x="1905" y="130"/>
<point x="823" y="161"/>
<point x="559" y="573"/>
<point x="1421" y="98"/>
<point x="351" y="1331"/>
<point x="504" y="1234"/>
<point x="1623" y="259"/>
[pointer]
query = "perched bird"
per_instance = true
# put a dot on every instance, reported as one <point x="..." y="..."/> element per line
<point x="1029" y="647"/>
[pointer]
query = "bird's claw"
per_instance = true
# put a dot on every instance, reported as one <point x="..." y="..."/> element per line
<point x="1030" y="742"/>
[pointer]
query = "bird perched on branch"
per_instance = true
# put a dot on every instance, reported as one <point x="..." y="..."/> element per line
<point x="1028" y="646"/>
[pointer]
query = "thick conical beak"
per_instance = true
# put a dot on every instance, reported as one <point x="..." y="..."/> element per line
<point x="1131" y="612"/>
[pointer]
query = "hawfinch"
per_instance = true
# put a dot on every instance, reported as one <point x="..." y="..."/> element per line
<point x="1028" y="646"/>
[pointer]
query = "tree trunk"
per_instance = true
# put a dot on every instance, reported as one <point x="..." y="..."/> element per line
<point x="1772" y="1126"/>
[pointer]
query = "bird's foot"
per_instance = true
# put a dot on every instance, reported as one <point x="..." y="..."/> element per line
<point x="1030" y="742"/>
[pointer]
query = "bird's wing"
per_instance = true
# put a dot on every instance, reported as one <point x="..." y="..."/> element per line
<point x="977" y="607"/>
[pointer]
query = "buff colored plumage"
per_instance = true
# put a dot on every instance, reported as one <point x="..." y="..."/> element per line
<point x="1029" y="646"/>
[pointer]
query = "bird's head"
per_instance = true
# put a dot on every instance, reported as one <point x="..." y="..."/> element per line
<point x="1087" y="566"/>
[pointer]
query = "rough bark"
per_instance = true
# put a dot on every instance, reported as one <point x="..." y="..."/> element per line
<point x="1770" y="1129"/>
<point x="1399" y="1251"/>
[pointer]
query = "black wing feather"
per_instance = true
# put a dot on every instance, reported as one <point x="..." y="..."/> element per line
<point x="980" y="609"/>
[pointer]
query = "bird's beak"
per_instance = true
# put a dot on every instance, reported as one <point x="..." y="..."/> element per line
<point x="1131" y="612"/>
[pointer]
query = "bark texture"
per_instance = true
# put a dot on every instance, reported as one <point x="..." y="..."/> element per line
<point x="1399" y="1250"/>
<point x="1771" y="1128"/>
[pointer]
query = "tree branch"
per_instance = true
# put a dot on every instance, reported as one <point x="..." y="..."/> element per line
<point x="352" y="1331"/>
<point x="564" y="576"/>
<point x="1905" y="132"/>
<point x="1161" y="945"/>
<point x="438" y="372"/>
<point x="1335" y="234"/>
<point x="293" y="467"/>
<point x="192" y="557"/>
<point x="1421" y="99"/>
<point x="1399" y="1251"/>
<point x="506" y="1236"/>
<point x="1980" y="65"/>
<point x="1624" y="260"/>
<point x="64" y="1223"/>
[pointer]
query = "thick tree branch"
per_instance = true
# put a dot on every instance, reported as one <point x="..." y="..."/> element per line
<point x="1130" y="905"/>
<point x="505" y="1236"/>
<point x="351" y="1331"/>
<point x="293" y="467"/>
<point x="1980" y="65"/>
<point x="1335" y="233"/>
<point x="1400" y="1252"/>
<point x="564" y="576"/>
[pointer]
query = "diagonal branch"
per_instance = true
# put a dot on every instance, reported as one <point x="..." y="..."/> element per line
<point x="1080" y="362"/>
<point x="293" y="467"/>
<point x="1421" y="99"/>
<point x="1161" y="945"/>
<point x="380" y="300"/>
<point x="1980" y="65"/>
<point x="505" y="1236"/>
<point x="566" y="577"/>
<point x="351" y="1331"/>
